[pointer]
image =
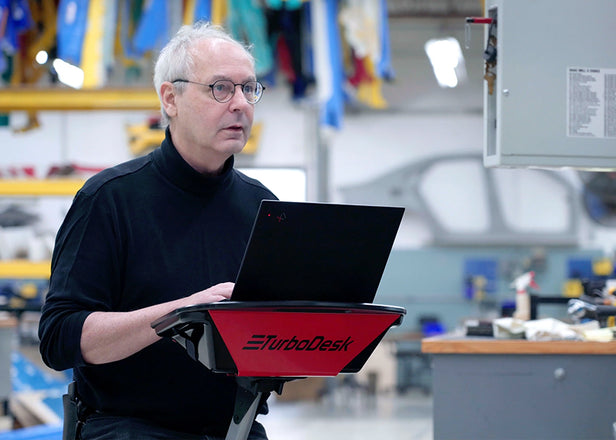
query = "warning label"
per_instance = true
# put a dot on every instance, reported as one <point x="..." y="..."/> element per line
<point x="591" y="102"/>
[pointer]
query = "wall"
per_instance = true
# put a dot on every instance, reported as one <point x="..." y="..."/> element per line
<point x="431" y="281"/>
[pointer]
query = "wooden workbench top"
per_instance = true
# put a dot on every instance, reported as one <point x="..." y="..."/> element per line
<point x="486" y="345"/>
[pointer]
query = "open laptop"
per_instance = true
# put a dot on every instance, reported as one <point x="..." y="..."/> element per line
<point x="305" y="251"/>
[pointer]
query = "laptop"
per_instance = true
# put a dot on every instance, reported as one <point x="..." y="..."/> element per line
<point x="306" y="251"/>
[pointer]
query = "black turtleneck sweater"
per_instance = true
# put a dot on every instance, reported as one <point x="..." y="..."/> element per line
<point x="145" y="232"/>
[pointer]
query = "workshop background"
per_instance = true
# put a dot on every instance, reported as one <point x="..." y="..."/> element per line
<point x="353" y="113"/>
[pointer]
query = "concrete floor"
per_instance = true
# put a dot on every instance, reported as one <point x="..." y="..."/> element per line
<point x="352" y="417"/>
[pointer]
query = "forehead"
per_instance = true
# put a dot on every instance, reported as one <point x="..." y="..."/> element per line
<point x="221" y="58"/>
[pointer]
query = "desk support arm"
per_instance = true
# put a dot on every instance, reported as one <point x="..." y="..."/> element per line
<point x="250" y="394"/>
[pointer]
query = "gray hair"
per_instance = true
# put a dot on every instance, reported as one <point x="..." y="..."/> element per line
<point x="175" y="60"/>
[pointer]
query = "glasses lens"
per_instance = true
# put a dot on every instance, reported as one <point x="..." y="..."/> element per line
<point x="222" y="90"/>
<point x="252" y="91"/>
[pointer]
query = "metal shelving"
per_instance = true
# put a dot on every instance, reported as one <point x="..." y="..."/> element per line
<point x="64" y="187"/>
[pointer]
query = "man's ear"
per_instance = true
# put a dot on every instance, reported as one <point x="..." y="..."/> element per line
<point x="167" y="97"/>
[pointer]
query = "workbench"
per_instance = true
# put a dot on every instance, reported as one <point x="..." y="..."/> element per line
<point x="8" y="331"/>
<point x="486" y="388"/>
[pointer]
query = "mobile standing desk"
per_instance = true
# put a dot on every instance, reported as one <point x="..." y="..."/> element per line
<point x="265" y="344"/>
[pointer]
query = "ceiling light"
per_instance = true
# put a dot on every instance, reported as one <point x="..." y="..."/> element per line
<point x="447" y="61"/>
<point x="68" y="74"/>
<point x="41" y="57"/>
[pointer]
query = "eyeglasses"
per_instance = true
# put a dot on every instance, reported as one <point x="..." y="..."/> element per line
<point x="224" y="89"/>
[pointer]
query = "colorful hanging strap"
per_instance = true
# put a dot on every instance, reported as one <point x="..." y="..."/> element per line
<point x="152" y="31"/>
<point x="72" y="21"/>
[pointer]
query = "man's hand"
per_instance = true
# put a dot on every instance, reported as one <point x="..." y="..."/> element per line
<point x="219" y="292"/>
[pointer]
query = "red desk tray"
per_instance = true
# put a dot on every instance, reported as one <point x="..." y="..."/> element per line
<point x="280" y="339"/>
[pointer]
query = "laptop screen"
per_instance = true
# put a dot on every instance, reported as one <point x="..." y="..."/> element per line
<point x="304" y="251"/>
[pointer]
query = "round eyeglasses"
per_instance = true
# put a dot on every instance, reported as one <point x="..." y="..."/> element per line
<point x="224" y="89"/>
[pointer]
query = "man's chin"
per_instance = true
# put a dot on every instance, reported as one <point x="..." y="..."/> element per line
<point x="230" y="150"/>
<point x="234" y="147"/>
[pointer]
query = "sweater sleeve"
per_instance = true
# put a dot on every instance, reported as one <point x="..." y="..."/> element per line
<point x="83" y="274"/>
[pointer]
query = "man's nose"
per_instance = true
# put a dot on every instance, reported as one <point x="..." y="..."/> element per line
<point x="238" y="97"/>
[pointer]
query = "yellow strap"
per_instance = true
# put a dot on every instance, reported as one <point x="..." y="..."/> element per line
<point x="92" y="51"/>
<point x="219" y="11"/>
<point x="189" y="11"/>
<point x="369" y="92"/>
<point x="47" y="38"/>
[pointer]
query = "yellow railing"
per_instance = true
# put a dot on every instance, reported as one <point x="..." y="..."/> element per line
<point x="24" y="269"/>
<point x="38" y="99"/>
<point x="38" y="187"/>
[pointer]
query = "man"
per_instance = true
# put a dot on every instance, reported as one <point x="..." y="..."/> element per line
<point x="146" y="237"/>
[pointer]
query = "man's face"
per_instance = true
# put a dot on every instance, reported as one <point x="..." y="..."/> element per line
<point x="205" y="131"/>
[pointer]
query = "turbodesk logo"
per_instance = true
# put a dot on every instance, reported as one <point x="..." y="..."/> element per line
<point x="273" y="342"/>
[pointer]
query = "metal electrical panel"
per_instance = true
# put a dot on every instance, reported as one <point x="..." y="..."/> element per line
<point x="551" y="96"/>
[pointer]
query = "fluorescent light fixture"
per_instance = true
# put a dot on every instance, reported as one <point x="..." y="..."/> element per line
<point x="286" y="183"/>
<point x="68" y="74"/>
<point x="41" y="57"/>
<point x="447" y="61"/>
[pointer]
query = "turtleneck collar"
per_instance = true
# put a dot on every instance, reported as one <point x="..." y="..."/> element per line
<point x="169" y="161"/>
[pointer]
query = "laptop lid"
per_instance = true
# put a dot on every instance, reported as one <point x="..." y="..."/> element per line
<point x="305" y="251"/>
